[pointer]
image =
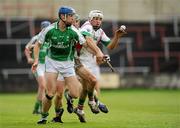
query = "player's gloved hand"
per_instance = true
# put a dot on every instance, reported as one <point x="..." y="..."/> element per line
<point x="107" y="58"/>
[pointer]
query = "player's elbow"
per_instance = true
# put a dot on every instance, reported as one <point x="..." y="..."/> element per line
<point x="110" y="47"/>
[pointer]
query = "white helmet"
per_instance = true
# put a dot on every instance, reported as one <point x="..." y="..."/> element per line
<point x="95" y="13"/>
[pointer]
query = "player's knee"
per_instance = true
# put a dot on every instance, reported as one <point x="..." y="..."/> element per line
<point x="93" y="81"/>
<point x="74" y="95"/>
<point x="42" y="87"/>
<point x="59" y="96"/>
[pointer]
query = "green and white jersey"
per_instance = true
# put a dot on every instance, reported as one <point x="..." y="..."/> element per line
<point x="43" y="52"/>
<point x="99" y="37"/>
<point x="43" y="49"/>
<point x="31" y="43"/>
<point x="61" y="43"/>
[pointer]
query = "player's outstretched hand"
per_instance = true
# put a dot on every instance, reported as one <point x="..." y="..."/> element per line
<point x="121" y="31"/>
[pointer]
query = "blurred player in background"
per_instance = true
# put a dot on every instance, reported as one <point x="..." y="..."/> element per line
<point x="62" y="39"/>
<point x="39" y="74"/>
<point x="92" y="28"/>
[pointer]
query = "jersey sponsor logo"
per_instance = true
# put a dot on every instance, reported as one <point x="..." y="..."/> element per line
<point x="67" y="38"/>
<point x="61" y="36"/>
<point x="60" y="45"/>
<point x="54" y="37"/>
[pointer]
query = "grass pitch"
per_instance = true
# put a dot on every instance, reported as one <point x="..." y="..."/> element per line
<point x="128" y="109"/>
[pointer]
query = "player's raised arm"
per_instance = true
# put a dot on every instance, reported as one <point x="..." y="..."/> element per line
<point x="117" y="36"/>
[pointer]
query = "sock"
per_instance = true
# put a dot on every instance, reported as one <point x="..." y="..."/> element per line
<point x="40" y="106"/>
<point x="92" y="102"/>
<point x="44" y="115"/>
<point x="96" y="99"/>
<point x="90" y="96"/>
<point x="80" y="111"/>
<point x="81" y="104"/>
<point x="59" y="111"/>
<point x="67" y="95"/>
<point x="37" y="105"/>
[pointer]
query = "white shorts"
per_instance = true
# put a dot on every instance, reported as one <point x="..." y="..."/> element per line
<point x="94" y="68"/>
<point x="40" y="69"/>
<point x="65" y="68"/>
<point x="60" y="77"/>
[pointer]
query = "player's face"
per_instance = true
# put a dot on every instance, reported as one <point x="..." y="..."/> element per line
<point x="96" y="22"/>
<point x="69" y="19"/>
<point x="76" y="23"/>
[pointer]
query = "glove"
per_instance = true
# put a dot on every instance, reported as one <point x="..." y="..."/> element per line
<point x="107" y="58"/>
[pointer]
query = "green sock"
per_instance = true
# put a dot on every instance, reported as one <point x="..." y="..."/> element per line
<point x="81" y="104"/>
<point x="90" y="96"/>
<point x="59" y="111"/>
<point x="44" y="114"/>
<point x="40" y="106"/>
<point x="81" y="101"/>
<point x="37" y="105"/>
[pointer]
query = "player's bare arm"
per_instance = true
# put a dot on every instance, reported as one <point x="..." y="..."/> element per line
<point x="36" y="56"/>
<point x="117" y="36"/>
<point x="94" y="49"/>
<point x="27" y="53"/>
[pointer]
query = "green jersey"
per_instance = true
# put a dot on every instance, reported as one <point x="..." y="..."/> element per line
<point x="61" y="43"/>
<point x="43" y="52"/>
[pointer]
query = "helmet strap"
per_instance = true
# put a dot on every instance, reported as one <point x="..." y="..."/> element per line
<point x="65" y="20"/>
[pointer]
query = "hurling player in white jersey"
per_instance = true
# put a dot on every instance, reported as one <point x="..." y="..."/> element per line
<point x="92" y="28"/>
<point x="40" y="69"/>
<point x="60" y="58"/>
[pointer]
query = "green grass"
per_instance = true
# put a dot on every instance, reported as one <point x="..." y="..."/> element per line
<point x="128" y="109"/>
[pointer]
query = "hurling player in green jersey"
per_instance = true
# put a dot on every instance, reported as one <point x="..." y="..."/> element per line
<point x="39" y="74"/>
<point x="60" y="58"/>
<point x="84" y="75"/>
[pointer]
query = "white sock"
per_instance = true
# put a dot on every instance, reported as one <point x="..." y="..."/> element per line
<point x="92" y="102"/>
<point x="80" y="111"/>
